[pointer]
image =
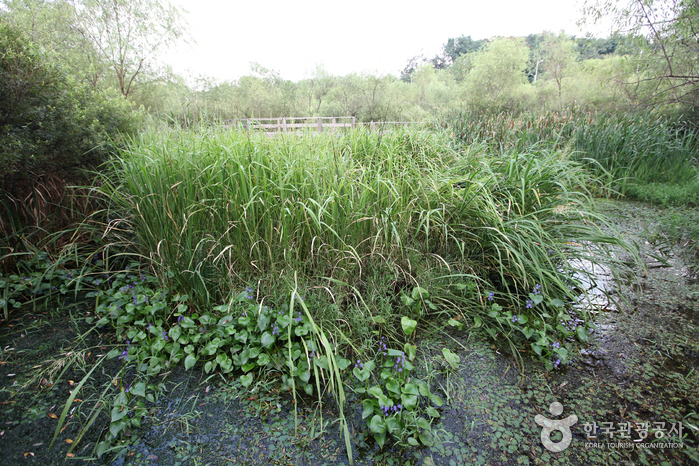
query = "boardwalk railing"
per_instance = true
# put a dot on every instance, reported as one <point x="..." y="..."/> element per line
<point x="314" y="124"/>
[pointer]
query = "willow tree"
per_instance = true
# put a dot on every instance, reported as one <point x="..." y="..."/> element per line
<point x="668" y="38"/>
<point x="558" y="58"/>
<point x="129" y="34"/>
<point x="104" y="42"/>
<point x="498" y="75"/>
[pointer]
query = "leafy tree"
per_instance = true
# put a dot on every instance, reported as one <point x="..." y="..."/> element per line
<point x="454" y="48"/>
<point x="128" y="34"/>
<point x="558" y="58"/>
<point x="48" y="122"/>
<point x="316" y="89"/>
<point x="346" y="95"/>
<point x="498" y="73"/>
<point x="406" y="75"/>
<point x="461" y="67"/>
<point x="101" y="40"/>
<point x="590" y="47"/>
<point x="670" y="32"/>
<point x="432" y="88"/>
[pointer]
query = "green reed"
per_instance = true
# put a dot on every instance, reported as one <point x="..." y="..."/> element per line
<point x="212" y="211"/>
<point x="622" y="149"/>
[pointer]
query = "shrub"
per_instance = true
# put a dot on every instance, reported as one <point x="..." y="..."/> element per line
<point x="48" y="121"/>
<point x="51" y="127"/>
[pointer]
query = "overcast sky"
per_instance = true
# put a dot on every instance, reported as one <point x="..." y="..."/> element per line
<point x="375" y="36"/>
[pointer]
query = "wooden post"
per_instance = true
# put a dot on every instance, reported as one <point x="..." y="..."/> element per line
<point x="320" y="125"/>
<point x="284" y="124"/>
<point x="352" y="122"/>
<point x="279" y="124"/>
<point x="373" y="126"/>
<point x="249" y="124"/>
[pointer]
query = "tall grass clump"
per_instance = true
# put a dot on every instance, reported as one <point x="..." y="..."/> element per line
<point x="353" y="213"/>
<point x="213" y="211"/>
<point x="505" y="131"/>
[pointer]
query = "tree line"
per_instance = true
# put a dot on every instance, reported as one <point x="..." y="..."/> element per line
<point x="109" y="49"/>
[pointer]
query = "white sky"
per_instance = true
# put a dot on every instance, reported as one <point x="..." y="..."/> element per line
<point x="292" y="37"/>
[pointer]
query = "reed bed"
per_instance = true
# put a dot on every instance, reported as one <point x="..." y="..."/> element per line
<point x="378" y="214"/>
<point x="622" y="149"/>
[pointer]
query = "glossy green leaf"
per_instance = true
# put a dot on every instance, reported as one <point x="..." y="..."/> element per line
<point x="246" y="380"/>
<point x="190" y="361"/>
<point x="408" y="325"/>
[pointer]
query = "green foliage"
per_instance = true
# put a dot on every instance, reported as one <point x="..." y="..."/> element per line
<point x="356" y="208"/>
<point x="318" y="206"/>
<point x="418" y="304"/>
<point x="498" y="74"/>
<point x="665" y="35"/>
<point x="40" y="278"/>
<point x="547" y="327"/>
<point x="452" y="359"/>
<point x="666" y="194"/>
<point x="159" y="331"/>
<point x="104" y="44"/>
<point x="454" y="48"/>
<point x="239" y="335"/>
<point x="395" y="404"/>
<point x="622" y="150"/>
<point x="49" y="122"/>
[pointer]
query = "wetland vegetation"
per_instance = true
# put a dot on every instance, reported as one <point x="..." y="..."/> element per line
<point x="188" y="294"/>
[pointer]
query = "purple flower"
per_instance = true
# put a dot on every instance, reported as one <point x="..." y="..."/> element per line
<point x="555" y="364"/>
<point x="400" y="363"/>
<point x="275" y="330"/>
<point x="530" y="304"/>
<point x="556" y="344"/>
<point x="491" y="295"/>
<point x="165" y="335"/>
<point x="514" y="318"/>
<point x="180" y="318"/>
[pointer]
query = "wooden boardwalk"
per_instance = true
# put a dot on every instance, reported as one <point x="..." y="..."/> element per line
<point x="307" y="124"/>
